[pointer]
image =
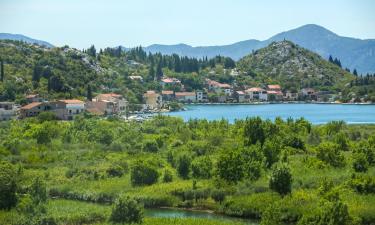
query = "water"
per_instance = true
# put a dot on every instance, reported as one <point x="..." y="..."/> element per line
<point x="176" y="213"/>
<point x="315" y="113"/>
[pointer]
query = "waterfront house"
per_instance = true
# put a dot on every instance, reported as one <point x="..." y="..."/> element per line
<point x="201" y="96"/>
<point x="308" y="94"/>
<point x="167" y="95"/>
<point x="274" y="95"/>
<point x="239" y="96"/>
<point x="218" y="88"/>
<point x="291" y="96"/>
<point x="187" y="97"/>
<point x="152" y="100"/>
<point x="113" y="103"/>
<point x="7" y="110"/>
<point x="256" y="94"/>
<point x="273" y="87"/>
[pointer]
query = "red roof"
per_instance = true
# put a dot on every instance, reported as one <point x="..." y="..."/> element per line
<point x="109" y="95"/>
<point x="273" y="86"/>
<point x="31" y="105"/>
<point x="181" y="94"/>
<point x="240" y="92"/>
<point x="254" y="89"/>
<point x="217" y="84"/>
<point x="71" y="101"/>
<point x="171" y="80"/>
<point x="274" y="92"/>
<point x="167" y="92"/>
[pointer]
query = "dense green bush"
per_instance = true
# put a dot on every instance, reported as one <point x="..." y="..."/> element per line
<point x="281" y="180"/>
<point x="330" y="153"/>
<point x="184" y="165"/>
<point x="8" y="185"/>
<point x="143" y="173"/>
<point x="126" y="210"/>
<point x="201" y="167"/>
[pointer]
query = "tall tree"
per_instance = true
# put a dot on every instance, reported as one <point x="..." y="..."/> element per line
<point x="2" y="70"/>
<point x="89" y="93"/>
<point x="159" y="71"/>
<point x="355" y="72"/>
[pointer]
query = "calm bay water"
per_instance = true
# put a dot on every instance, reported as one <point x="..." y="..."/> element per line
<point x="315" y="113"/>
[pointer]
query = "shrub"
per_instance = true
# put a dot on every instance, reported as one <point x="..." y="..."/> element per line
<point x="167" y="177"/>
<point x="126" y="210"/>
<point x="330" y="153"/>
<point x="150" y="146"/>
<point x="360" y="163"/>
<point x="8" y="185"/>
<point x="230" y="166"/>
<point x="183" y="165"/>
<point x="363" y="184"/>
<point x="218" y="195"/>
<point x="201" y="167"/>
<point x="115" y="171"/>
<point x="143" y="174"/>
<point x="281" y="180"/>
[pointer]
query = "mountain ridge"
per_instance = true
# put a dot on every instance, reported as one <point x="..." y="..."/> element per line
<point x="21" y="37"/>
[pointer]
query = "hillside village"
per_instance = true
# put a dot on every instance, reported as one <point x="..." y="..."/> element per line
<point x="108" y="104"/>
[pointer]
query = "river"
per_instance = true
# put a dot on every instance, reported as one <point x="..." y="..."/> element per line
<point x="177" y="213"/>
<point x="315" y="113"/>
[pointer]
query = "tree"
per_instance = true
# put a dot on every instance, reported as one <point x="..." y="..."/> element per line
<point x="271" y="150"/>
<point x="218" y="195"/>
<point x="143" y="173"/>
<point x="150" y="146"/>
<point x="151" y="71"/>
<point x="89" y="93"/>
<point x="230" y="166"/>
<point x="281" y="180"/>
<point x="253" y="131"/>
<point x="167" y="177"/>
<point x="126" y="210"/>
<point x="330" y="59"/>
<point x="272" y="215"/>
<point x="8" y="185"/>
<point x="183" y="165"/>
<point x="201" y="167"/>
<point x="355" y="73"/>
<point x="38" y="191"/>
<point x="91" y="51"/>
<point x="2" y="75"/>
<point x="159" y="71"/>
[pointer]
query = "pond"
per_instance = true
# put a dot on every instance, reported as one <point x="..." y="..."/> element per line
<point x="315" y="113"/>
<point x="179" y="213"/>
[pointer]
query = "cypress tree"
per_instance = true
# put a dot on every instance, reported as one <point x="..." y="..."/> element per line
<point x="159" y="71"/>
<point x="89" y="93"/>
<point x="355" y="72"/>
<point x="330" y="59"/>
<point x="2" y="70"/>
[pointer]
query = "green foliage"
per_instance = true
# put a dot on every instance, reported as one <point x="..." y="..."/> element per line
<point x="218" y="195"/>
<point x="143" y="173"/>
<point x="150" y="146"/>
<point x="229" y="166"/>
<point x="281" y="180"/>
<point x="330" y="153"/>
<point x="184" y="165"/>
<point x="272" y="215"/>
<point x="360" y="162"/>
<point x="126" y="210"/>
<point x="254" y="131"/>
<point x="167" y="176"/>
<point x="202" y="167"/>
<point x="363" y="184"/>
<point x="8" y="185"/>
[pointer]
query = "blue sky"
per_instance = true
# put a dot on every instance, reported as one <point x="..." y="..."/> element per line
<point x="80" y="23"/>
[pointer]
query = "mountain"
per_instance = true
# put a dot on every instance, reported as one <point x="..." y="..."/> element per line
<point x="20" y="37"/>
<point x="294" y="67"/>
<point x="353" y="53"/>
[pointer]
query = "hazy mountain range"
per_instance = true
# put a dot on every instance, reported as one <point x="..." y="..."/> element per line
<point x="352" y="52"/>
<point x="20" y="37"/>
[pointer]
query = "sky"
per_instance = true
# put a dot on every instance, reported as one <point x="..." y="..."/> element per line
<point x="109" y="23"/>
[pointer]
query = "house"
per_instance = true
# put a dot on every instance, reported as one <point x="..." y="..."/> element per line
<point x="201" y="96"/>
<point x="256" y="93"/>
<point x="114" y="103"/>
<point x="291" y="96"/>
<point x="234" y="72"/>
<point x="153" y="100"/>
<point x="33" y="98"/>
<point x="274" y="95"/>
<point x="170" y="82"/>
<point x="239" y="96"/>
<point x="67" y="109"/>
<point x="325" y="96"/>
<point x="218" y="88"/>
<point x="167" y="95"/>
<point x="137" y="78"/>
<point x="273" y="87"/>
<point x="7" y="110"/>
<point x="186" y="96"/>
<point x="34" y="109"/>
<point x="308" y="93"/>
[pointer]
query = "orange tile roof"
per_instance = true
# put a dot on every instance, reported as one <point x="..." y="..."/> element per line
<point x="71" y="101"/>
<point x="273" y="86"/>
<point x="167" y="92"/>
<point x="254" y="89"/>
<point x="185" y="94"/>
<point x="31" y="105"/>
<point x="109" y="95"/>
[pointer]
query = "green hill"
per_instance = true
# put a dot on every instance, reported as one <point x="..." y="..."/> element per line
<point x="294" y="67"/>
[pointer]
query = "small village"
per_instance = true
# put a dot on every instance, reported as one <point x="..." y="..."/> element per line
<point x="108" y="104"/>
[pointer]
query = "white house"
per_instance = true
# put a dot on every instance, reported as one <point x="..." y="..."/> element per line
<point x="201" y="96"/>
<point x="257" y="93"/>
<point x="186" y="96"/>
